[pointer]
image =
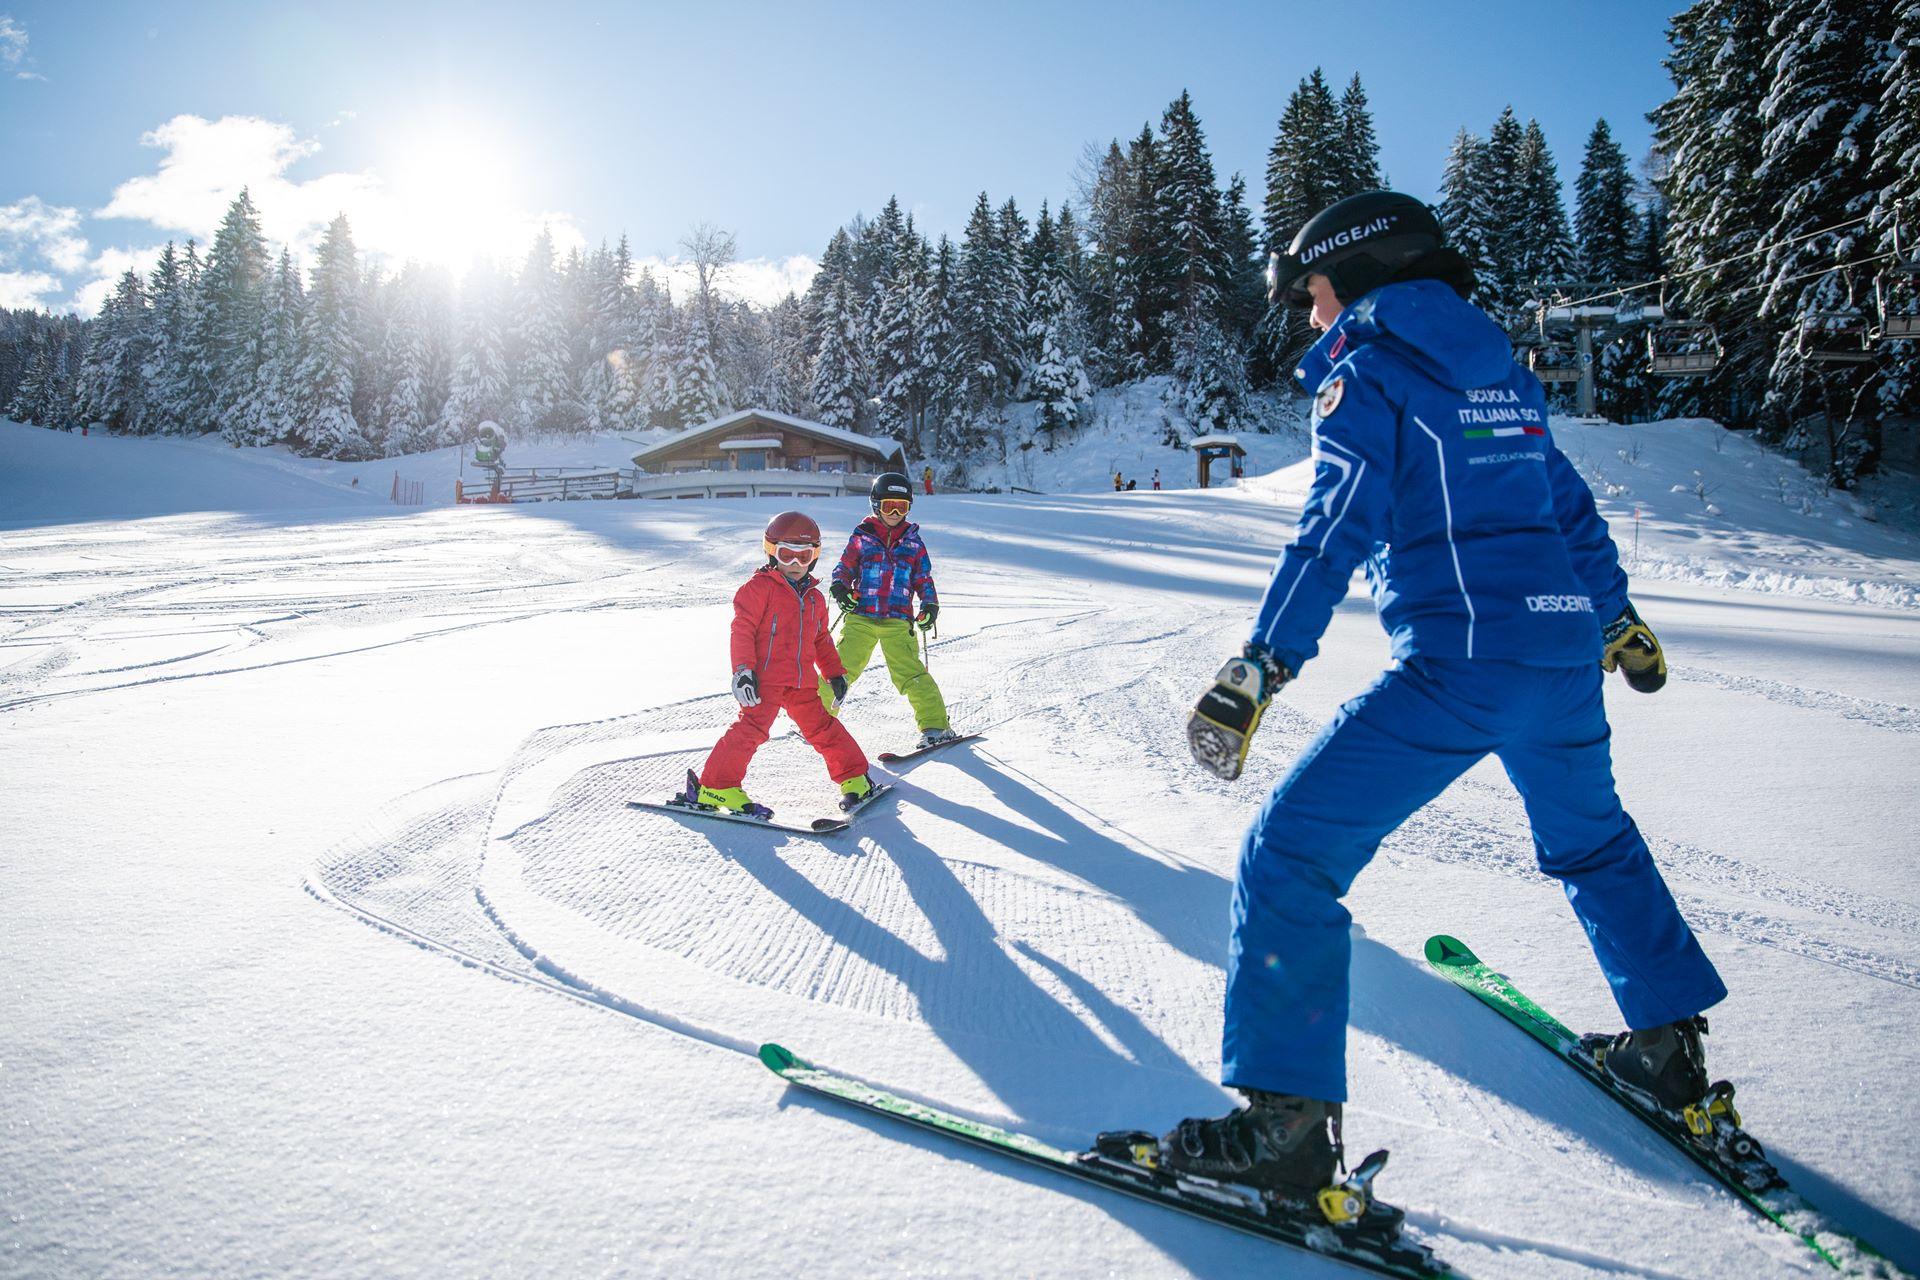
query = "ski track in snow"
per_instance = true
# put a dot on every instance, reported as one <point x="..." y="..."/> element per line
<point x="1881" y="715"/>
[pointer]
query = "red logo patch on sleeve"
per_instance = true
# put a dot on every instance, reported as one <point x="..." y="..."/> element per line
<point x="1329" y="398"/>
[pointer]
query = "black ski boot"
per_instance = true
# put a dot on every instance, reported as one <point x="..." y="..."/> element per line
<point x="1278" y="1142"/>
<point x="1666" y="1063"/>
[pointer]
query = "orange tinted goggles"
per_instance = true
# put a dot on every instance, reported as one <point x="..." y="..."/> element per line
<point x="895" y="506"/>
<point x="793" y="552"/>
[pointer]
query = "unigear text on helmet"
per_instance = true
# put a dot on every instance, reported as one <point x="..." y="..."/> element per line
<point x="1358" y="244"/>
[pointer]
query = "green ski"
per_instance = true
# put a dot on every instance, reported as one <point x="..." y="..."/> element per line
<point x="1725" y="1150"/>
<point x="1369" y="1237"/>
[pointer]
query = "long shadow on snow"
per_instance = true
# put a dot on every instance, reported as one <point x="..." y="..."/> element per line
<point x="1028" y="1080"/>
<point x="1392" y="996"/>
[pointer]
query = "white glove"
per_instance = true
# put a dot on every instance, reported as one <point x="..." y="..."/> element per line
<point x="746" y="689"/>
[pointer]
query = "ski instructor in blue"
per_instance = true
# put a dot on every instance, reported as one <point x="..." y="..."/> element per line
<point x="1504" y="598"/>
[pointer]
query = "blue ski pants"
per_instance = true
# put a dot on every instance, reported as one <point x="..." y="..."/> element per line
<point x="1386" y="753"/>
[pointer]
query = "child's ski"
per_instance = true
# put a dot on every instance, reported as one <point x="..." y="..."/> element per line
<point x="900" y="757"/>
<point x="818" y="827"/>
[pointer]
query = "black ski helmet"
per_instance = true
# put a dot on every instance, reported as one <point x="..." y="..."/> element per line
<point x="889" y="484"/>
<point x="1359" y="244"/>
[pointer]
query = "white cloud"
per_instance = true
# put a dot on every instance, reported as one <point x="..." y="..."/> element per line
<point x="13" y="49"/>
<point x="34" y="228"/>
<point x="761" y="281"/>
<point x="207" y="162"/>
<point x="26" y="289"/>
<point x="107" y="267"/>
<point x="13" y="40"/>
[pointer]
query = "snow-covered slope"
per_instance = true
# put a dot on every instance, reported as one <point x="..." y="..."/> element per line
<point x="233" y="743"/>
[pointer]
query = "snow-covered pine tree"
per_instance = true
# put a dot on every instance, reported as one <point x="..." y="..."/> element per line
<point x="544" y="398"/>
<point x="1054" y="374"/>
<point x="231" y="321"/>
<point x="661" y="393"/>
<point x="837" y="378"/>
<point x="987" y="330"/>
<point x="1106" y="237"/>
<point x="1143" y="295"/>
<point x="1606" y="225"/>
<point x="33" y="399"/>
<point x="786" y="389"/>
<point x="274" y="415"/>
<point x="696" y="382"/>
<point x="896" y="374"/>
<point x="162" y="374"/>
<point x="1820" y="118"/>
<point x="482" y="388"/>
<point x="1196" y="273"/>
<point x="936" y="353"/>
<point x="836" y="265"/>
<point x="1360" y="149"/>
<point x="1896" y="213"/>
<point x="1308" y="168"/>
<point x="1245" y="263"/>
<point x="112" y="391"/>
<point x="1463" y="207"/>
<point x="1503" y="176"/>
<point x="1015" y="242"/>
<point x="1709" y="135"/>
<point x="408" y="414"/>
<point x="1546" y="252"/>
<point x="330" y="351"/>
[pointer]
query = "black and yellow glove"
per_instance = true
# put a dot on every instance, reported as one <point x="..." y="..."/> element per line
<point x="1631" y="646"/>
<point x="1222" y="724"/>
<point x="843" y="596"/>
<point x="929" y="614"/>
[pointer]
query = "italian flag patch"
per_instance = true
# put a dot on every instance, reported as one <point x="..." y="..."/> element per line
<point x="1487" y="432"/>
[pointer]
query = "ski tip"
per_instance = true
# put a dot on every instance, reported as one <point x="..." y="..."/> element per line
<point x="779" y="1060"/>
<point x="1447" y="952"/>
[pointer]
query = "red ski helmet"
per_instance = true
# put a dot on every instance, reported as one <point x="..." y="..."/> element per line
<point x="794" y="533"/>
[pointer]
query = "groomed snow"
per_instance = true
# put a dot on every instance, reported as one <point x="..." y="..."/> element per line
<point x="332" y="949"/>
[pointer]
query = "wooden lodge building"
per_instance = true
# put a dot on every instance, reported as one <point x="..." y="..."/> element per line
<point x="758" y="453"/>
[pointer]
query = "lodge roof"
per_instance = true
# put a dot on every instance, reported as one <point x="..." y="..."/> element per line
<point x="880" y="448"/>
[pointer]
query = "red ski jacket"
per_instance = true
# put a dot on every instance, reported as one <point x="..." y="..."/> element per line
<point x="782" y="633"/>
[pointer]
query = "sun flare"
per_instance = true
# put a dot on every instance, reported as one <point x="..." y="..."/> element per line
<point x="449" y="197"/>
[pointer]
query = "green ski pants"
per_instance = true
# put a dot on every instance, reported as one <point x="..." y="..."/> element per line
<point x="899" y="645"/>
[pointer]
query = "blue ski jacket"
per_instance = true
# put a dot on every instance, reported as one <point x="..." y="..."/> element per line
<point x="1434" y="466"/>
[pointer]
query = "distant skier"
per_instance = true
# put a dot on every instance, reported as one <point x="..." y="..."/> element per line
<point x="1492" y="572"/>
<point x="1156" y="478"/>
<point x="885" y="565"/>
<point x="926" y="478"/>
<point x="1118" y="483"/>
<point x="779" y="648"/>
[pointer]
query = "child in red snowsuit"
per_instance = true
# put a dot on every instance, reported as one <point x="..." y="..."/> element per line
<point x="780" y="651"/>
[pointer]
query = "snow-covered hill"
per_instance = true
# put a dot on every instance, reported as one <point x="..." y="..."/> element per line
<point x="294" y="778"/>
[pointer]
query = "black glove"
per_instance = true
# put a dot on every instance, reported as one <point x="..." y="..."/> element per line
<point x="1222" y="724"/>
<point x="1632" y="647"/>
<point x="843" y="596"/>
<point x="839" y="686"/>
<point x="928" y="612"/>
<point x="746" y="687"/>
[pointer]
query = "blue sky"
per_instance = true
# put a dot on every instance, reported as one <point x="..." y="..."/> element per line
<point x="124" y="124"/>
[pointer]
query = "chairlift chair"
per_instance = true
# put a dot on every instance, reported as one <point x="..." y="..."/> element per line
<point x="1834" y="337"/>
<point x="1683" y="349"/>
<point x="1553" y="363"/>
<point x="1896" y="295"/>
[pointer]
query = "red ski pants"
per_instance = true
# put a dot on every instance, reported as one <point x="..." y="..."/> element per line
<point x="727" y="765"/>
